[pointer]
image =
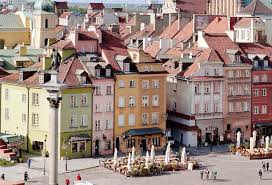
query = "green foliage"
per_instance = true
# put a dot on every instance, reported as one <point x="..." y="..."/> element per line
<point x="5" y="163"/>
<point x="78" y="10"/>
<point x="247" y="145"/>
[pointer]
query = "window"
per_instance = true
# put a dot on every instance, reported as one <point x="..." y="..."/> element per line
<point x="264" y="109"/>
<point x="206" y="87"/>
<point x="23" y="117"/>
<point x="216" y="87"/>
<point x="174" y="106"/>
<point x="121" y="120"/>
<point x="6" y="94"/>
<point x="196" y="108"/>
<point x="206" y="72"/>
<point x="256" y="110"/>
<point x="238" y="90"/>
<point x="24" y="98"/>
<point x="83" y="79"/>
<point x="246" y="106"/>
<point x="74" y="147"/>
<point x="97" y="72"/>
<point x="228" y="127"/>
<point x="108" y="107"/>
<point x="84" y="101"/>
<point x="131" y="101"/>
<point x="46" y="23"/>
<point x="84" y="120"/>
<point x="131" y="119"/>
<point x="109" y="92"/>
<point x="197" y="88"/>
<point x="130" y="143"/>
<point x="6" y="113"/>
<point x="247" y="73"/>
<point x="98" y="108"/>
<point x="108" y="124"/>
<point x="155" y="100"/>
<point x="156" y="141"/>
<point x="73" y="121"/>
<point x="230" y="107"/>
<point x="155" y="118"/>
<point x="144" y="101"/>
<point x="121" y="101"/>
<point x="144" y="118"/>
<point x="216" y="72"/>
<point x="238" y="73"/>
<point x="132" y="84"/>
<point x="35" y="119"/>
<point x="46" y="42"/>
<point x="73" y="101"/>
<point x="246" y="90"/>
<point x="155" y="84"/>
<point x="206" y="107"/>
<point x="230" y="90"/>
<point x="41" y="78"/>
<point x="108" y="145"/>
<point x="97" y="125"/>
<point x="256" y="78"/>
<point x="121" y="83"/>
<point x="126" y="67"/>
<point x="82" y="146"/>
<point x="264" y="78"/>
<point x="35" y="99"/>
<point x="230" y="74"/>
<point x="263" y="92"/>
<point x="238" y="107"/>
<point x="255" y="92"/>
<point x="147" y="68"/>
<point x="145" y="84"/>
<point x="216" y="107"/>
<point x="97" y="90"/>
<point x="108" y="72"/>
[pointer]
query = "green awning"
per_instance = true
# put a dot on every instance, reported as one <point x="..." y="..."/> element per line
<point x="264" y="125"/>
<point x="143" y="131"/>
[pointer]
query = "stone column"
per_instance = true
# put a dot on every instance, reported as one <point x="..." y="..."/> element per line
<point x="224" y="7"/>
<point x="54" y="101"/>
<point x="231" y="8"/>
<point x="235" y="7"/>
<point x="216" y="7"/>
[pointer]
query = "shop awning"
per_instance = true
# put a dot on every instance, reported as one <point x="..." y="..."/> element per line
<point x="143" y="131"/>
<point x="12" y="139"/>
<point x="264" y="125"/>
<point x="80" y="137"/>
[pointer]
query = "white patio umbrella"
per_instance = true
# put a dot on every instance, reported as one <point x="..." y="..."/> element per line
<point x="251" y="145"/>
<point x="254" y="135"/>
<point x="146" y="159"/>
<point x="238" y="144"/>
<point x="267" y="144"/>
<point x="167" y="154"/>
<point x="133" y="155"/>
<point x="183" y="159"/>
<point x="115" y="157"/>
<point x="128" y="163"/>
<point x="152" y="153"/>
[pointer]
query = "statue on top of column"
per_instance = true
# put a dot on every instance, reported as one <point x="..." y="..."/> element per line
<point x="56" y="60"/>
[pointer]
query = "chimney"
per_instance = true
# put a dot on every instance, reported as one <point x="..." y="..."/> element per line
<point x="146" y="41"/>
<point x="190" y="55"/>
<point x="180" y="66"/>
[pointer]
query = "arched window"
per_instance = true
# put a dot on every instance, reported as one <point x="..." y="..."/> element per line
<point x="46" y="23"/>
<point x="46" y="42"/>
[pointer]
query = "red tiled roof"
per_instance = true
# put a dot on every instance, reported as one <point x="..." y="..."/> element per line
<point x="65" y="14"/>
<point x="97" y="6"/>
<point x="132" y="21"/>
<point x="185" y="33"/>
<point x="3" y="72"/>
<point x="257" y="48"/>
<point x="192" y="6"/>
<point x="170" y="31"/>
<point x="218" y="25"/>
<point x="63" y="44"/>
<point x="87" y="35"/>
<point x="256" y="7"/>
<point x="153" y="49"/>
<point x="90" y="15"/>
<point x="61" y="5"/>
<point x="111" y="46"/>
<point x="246" y="22"/>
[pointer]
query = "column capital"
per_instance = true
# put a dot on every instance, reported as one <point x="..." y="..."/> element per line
<point x="54" y="102"/>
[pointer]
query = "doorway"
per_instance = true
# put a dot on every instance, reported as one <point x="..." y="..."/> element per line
<point x="143" y="145"/>
<point x="117" y="143"/>
<point x="96" y="147"/>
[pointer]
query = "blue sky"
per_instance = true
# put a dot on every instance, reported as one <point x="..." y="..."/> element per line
<point x="113" y="1"/>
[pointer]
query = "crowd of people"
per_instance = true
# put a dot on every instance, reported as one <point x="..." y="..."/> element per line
<point x="265" y="168"/>
<point x="208" y="175"/>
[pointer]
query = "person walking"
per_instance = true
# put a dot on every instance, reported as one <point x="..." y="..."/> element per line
<point x="201" y="174"/>
<point x="67" y="181"/>
<point x="260" y="174"/>
<point x="3" y="176"/>
<point x="263" y="165"/>
<point x="207" y="174"/>
<point x="214" y="175"/>
<point x="78" y="177"/>
<point x="29" y="162"/>
<point x="267" y="166"/>
<point x="26" y="177"/>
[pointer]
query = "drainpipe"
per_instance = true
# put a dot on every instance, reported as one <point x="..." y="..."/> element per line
<point x="27" y="131"/>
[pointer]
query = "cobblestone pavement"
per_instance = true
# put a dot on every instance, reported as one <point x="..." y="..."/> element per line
<point x="232" y="170"/>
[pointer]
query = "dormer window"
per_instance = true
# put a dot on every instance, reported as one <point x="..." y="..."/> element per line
<point x="21" y="76"/>
<point x="108" y="72"/>
<point x="126" y="67"/>
<point x="237" y="59"/>
<point x="41" y="78"/>
<point x="97" y="72"/>
<point x="83" y="79"/>
<point x="265" y="63"/>
<point x="147" y="68"/>
<point x="256" y="63"/>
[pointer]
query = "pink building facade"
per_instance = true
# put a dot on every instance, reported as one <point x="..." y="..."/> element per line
<point x="103" y="101"/>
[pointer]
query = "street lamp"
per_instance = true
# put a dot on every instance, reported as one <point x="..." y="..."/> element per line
<point x="64" y="147"/>
<point x="45" y="139"/>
